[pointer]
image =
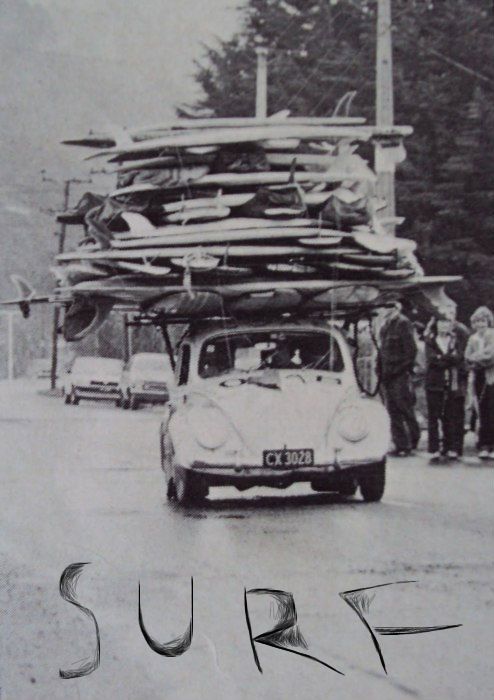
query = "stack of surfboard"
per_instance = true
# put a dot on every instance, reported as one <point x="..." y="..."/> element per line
<point x="231" y="217"/>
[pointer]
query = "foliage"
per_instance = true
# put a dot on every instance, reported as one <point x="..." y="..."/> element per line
<point x="443" y="85"/>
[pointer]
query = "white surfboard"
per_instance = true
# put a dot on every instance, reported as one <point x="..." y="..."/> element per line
<point x="139" y="225"/>
<point x="236" y="200"/>
<point x="221" y="251"/>
<point x="280" y="177"/>
<point x="211" y="213"/>
<point x="248" y="134"/>
<point x="225" y="236"/>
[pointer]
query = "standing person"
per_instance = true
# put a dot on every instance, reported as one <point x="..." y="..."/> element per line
<point x="479" y="354"/>
<point x="398" y="352"/>
<point x="446" y="380"/>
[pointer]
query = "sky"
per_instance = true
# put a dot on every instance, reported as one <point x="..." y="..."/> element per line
<point x="69" y="66"/>
<point x="151" y="37"/>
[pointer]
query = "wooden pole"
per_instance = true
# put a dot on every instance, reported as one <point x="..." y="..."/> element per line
<point x="385" y="168"/>
<point x="262" y="83"/>
<point x="10" y="322"/>
<point x="56" y="310"/>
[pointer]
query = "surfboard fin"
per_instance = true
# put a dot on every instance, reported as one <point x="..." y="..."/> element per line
<point x="26" y="295"/>
<point x="344" y="104"/>
<point x="100" y="232"/>
<point x="137" y="223"/>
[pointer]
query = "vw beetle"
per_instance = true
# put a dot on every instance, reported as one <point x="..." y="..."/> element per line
<point x="271" y="405"/>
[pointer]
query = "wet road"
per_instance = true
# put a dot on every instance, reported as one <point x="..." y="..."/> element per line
<point x="83" y="484"/>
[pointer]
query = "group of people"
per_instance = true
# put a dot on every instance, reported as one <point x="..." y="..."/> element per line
<point x="458" y="375"/>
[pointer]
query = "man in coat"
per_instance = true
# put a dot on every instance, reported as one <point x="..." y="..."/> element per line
<point x="398" y="353"/>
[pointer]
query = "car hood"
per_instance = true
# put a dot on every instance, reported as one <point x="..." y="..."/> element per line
<point x="96" y="377"/>
<point x="274" y="410"/>
<point x="148" y="377"/>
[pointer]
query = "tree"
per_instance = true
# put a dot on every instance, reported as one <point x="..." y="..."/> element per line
<point x="444" y="81"/>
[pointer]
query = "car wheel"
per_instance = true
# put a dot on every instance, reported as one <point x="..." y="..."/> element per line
<point x="372" y="482"/>
<point x="67" y="398"/>
<point x="74" y="398"/>
<point x="322" y="484"/>
<point x="125" y="400"/>
<point x="188" y="487"/>
<point x="118" y="402"/>
<point x="133" y="403"/>
<point x="166" y="458"/>
<point x="348" y="487"/>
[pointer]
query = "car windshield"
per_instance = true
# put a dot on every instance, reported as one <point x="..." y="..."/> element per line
<point x="97" y="364"/>
<point x="155" y="364"/>
<point x="278" y="349"/>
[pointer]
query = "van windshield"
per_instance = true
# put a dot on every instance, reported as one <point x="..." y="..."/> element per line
<point x="259" y="350"/>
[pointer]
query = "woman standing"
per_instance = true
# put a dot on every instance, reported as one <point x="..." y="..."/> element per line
<point x="480" y="357"/>
<point x="446" y="379"/>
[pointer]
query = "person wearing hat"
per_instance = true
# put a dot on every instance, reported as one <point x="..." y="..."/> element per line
<point x="479" y="354"/>
<point x="397" y="353"/>
<point x="446" y="380"/>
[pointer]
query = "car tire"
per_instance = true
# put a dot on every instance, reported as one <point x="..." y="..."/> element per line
<point x="74" y="399"/>
<point x="125" y="401"/>
<point x="372" y="482"/>
<point x="188" y="487"/>
<point x="347" y="488"/>
<point x="322" y="485"/>
<point x="118" y="402"/>
<point x="133" y="403"/>
<point x="166" y="459"/>
<point x="67" y="399"/>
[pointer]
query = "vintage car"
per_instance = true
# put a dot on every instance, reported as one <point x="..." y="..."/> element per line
<point x="271" y="405"/>
<point x="93" y="378"/>
<point x="145" y="379"/>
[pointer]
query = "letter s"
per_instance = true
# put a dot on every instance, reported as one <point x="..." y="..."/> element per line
<point x="68" y="584"/>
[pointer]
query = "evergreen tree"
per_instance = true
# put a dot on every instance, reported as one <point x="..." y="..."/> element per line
<point x="443" y="82"/>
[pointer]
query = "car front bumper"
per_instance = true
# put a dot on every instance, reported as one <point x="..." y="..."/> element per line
<point x="255" y="475"/>
<point x="97" y="392"/>
<point x="150" y="396"/>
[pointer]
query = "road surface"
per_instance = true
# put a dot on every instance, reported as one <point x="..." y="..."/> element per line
<point x="83" y="484"/>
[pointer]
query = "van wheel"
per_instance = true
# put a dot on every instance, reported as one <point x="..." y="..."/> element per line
<point x="67" y="399"/>
<point x="188" y="487"/>
<point x="373" y="481"/>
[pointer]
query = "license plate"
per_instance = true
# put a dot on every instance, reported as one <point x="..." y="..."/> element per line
<point x="288" y="459"/>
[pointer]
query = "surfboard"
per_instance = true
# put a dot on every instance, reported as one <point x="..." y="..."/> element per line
<point x="211" y="213"/>
<point x="248" y="134"/>
<point x="221" y="251"/>
<point x="274" y="177"/>
<point x="235" y="200"/>
<point x="109" y="139"/>
<point x="139" y="225"/>
<point x="226" y="236"/>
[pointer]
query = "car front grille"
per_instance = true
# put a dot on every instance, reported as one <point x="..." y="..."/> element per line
<point x="111" y="384"/>
<point x="154" y="386"/>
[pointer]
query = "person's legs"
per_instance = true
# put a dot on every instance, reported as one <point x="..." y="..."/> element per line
<point x="489" y="417"/>
<point x="409" y="401"/>
<point x="434" y="409"/>
<point x="484" y="419"/>
<point x="453" y="419"/>
<point x="458" y="424"/>
<point x="396" y="396"/>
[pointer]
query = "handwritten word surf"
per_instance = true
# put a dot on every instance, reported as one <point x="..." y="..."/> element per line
<point x="285" y="634"/>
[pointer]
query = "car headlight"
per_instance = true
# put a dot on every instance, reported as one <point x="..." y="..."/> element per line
<point x="209" y="426"/>
<point x="352" y="424"/>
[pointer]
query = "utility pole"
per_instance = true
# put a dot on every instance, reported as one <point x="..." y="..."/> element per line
<point x="9" y="315"/>
<point x="385" y="166"/>
<point x="127" y="338"/>
<point x="60" y="249"/>
<point x="262" y="83"/>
